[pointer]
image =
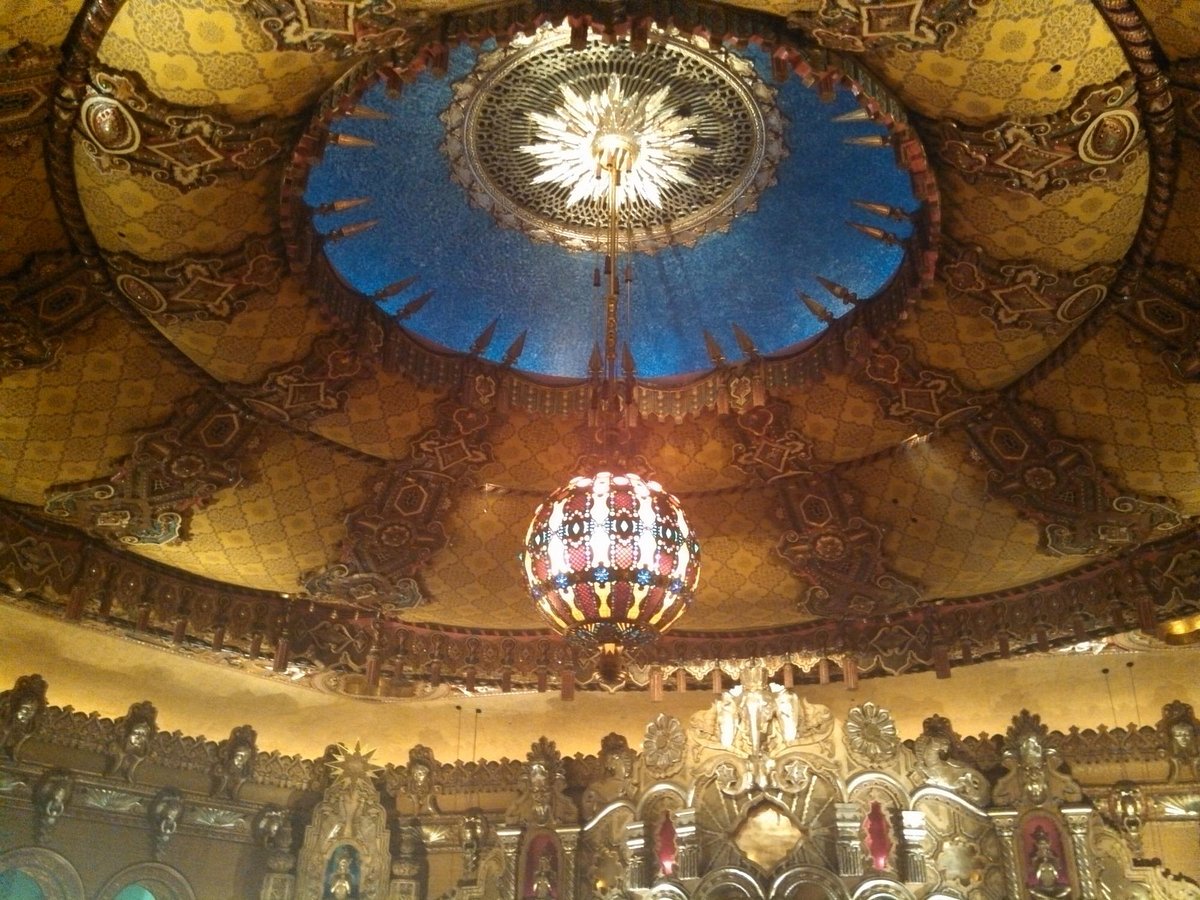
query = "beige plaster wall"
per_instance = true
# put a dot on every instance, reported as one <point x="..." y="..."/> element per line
<point x="104" y="673"/>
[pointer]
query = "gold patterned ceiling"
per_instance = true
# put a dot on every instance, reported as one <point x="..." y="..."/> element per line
<point x="201" y="435"/>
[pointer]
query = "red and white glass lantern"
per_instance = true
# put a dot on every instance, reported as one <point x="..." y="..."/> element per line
<point x="611" y="561"/>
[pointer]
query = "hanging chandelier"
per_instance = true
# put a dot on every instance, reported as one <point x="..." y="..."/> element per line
<point x="610" y="559"/>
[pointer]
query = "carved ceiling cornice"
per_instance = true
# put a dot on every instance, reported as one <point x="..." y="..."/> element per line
<point x="84" y="579"/>
<point x="46" y="300"/>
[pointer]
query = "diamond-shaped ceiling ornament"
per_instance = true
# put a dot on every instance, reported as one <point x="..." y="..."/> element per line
<point x="1028" y="159"/>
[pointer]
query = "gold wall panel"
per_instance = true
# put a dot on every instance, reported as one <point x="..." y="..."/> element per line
<point x="1180" y="241"/>
<point x="43" y="22"/>
<point x="284" y="519"/>
<point x="1067" y="229"/>
<point x="743" y="582"/>
<point x="29" y="221"/>
<point x="950" y="333"/>
<point x="272" y="330"/>
<point x="384" y="413"/>
<point x="138" y="215"/>
<point x="202" y="53"/>
<point x="1115" y="395"/>
<point x="74" y="420"/>
<point x="1002" y="62"/>
<point x="1176" y="25"/>
<point x="942" y="529"/>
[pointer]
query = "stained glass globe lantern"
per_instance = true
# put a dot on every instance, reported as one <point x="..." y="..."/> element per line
<point x="611" y="561"/>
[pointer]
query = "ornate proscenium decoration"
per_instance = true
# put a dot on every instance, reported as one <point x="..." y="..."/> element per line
<point x="610" y="560"/>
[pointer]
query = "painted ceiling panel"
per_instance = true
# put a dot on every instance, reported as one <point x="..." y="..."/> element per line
<point x="1014" y="58"/>
<point x="1067" y="229"/>
<point x="1176" y="26"/>
<point x="1118" y="396"/>
<point x="282" y="520"/>
<point x="42" y="22"/>
<point x="73" y="421"/>
<point x="138" y="215"/>
<point x="197" y="53"/>
<point x="29" y="221"/>
<point x="941" y="527"/>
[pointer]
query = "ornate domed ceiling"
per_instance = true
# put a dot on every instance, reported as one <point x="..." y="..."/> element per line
<point x="297" y="307"/>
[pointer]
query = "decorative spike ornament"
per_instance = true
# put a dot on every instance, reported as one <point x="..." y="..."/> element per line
<point x="877" y="234"/>
<point x="843" y="293"/>
<point x="485" y="338"/>
<point x="816" y="308"/>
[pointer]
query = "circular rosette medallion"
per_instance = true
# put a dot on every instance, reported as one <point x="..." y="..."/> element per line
<point x="524" y="126"/>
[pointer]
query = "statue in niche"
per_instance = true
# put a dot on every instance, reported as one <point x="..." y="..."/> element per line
<point x="1178" y="730"/>
<point x="341" y="877"/>
<point x="347" y="846"/>
<point x="165" y="812"/>
<point x="666" y="846"/>
<point x="617" y="784"/>
<point x="51" y="795"/>
<point x="1045" y="873"/>
<point x="1035" y="771"/>
<point x="541" y="886"/>
<point x="878" y="836"/>
<point x="235" y="762"/>
<point x="420" y="784"/>
<point x="20" y="709"/>
<point x="132" y="746"/>
<point x="936" y="766"/>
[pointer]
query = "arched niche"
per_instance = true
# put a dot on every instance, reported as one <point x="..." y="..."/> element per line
<point x="728" y="884"/>
<point x="882" y="889"/>
<point x="160" y="881"/>
<point x="807" y="883"/>
<point x="54" y="876"/>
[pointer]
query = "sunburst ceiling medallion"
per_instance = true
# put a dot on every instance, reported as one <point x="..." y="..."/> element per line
<point x="524" y="123"/>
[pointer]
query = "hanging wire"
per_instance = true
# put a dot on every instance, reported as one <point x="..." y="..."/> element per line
<point x="1112" y="705"/>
